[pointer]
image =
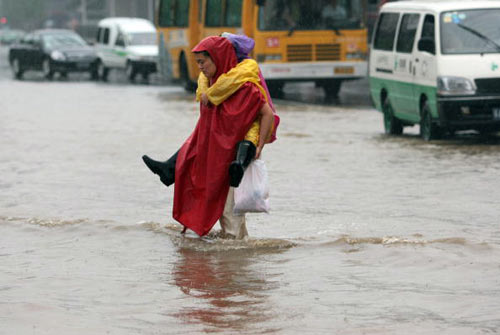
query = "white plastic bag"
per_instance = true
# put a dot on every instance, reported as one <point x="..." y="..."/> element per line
<point x="253" y="193"/>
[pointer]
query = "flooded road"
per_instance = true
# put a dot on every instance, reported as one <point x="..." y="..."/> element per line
<point x="368" y="234"/>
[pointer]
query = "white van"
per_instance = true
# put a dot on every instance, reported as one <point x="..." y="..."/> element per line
<point x="129" y="44"/>
<point x="437" y="64"/>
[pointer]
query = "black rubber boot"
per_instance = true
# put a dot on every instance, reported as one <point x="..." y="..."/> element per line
<point x="244" y="154"/>
<point x="165" y="170"/>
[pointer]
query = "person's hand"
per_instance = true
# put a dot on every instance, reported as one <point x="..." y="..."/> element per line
<point x="204" y="99"/>
<point x="257" y="152"/>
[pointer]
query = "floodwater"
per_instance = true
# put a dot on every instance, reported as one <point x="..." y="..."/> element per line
<point x="368" y="234"/>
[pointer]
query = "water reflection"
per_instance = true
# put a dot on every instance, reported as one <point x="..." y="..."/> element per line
<point x="227" y="291"/>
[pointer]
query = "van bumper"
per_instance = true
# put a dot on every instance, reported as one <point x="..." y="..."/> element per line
<point x="144" y="66"/>
<point x="469" y="112"/>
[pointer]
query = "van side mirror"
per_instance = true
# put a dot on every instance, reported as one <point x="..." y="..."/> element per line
<point x="427" y="44"/>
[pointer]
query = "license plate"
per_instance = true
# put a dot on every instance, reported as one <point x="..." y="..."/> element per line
<point x="496" y="113"/>
<point x="344" y="70"/>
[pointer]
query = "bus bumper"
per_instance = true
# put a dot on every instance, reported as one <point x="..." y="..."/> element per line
<point x="469" y="112"/>
<point x="305" y="71"/>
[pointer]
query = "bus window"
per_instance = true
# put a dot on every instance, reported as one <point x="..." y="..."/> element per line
<point x="213" y="14"/>
<point x="223" y="13"/>
<point x="174" y="13"/>
<point x="310" y="15"/>
<point x="386" y="30"/>
<point x="182" y="13"/>
<point x="233" y="13"/>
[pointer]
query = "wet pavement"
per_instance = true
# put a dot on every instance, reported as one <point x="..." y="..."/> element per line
<point x="368" y="234"/>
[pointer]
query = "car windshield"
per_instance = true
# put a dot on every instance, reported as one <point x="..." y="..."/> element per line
<point x="142" y="39"/>
<point x="63" y="40"/>
<point x="310" y="15"/>
<point x="470" y="31"/>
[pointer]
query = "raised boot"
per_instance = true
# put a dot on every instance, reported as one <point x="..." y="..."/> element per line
<point x="165" y="170"/>
<point x="244" y="154"/>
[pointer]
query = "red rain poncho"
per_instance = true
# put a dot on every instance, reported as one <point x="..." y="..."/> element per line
<point x="201" y="171"/>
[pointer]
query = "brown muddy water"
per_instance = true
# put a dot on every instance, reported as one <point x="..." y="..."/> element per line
<point x="367" y="235"/>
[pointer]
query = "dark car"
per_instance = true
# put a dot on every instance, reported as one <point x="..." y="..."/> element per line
<point x="51" y="51"/>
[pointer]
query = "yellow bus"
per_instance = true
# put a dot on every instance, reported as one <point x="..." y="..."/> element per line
<point x="324" y="41"/>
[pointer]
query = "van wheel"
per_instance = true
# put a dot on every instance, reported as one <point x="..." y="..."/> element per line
<point x="102" y="71"/>
<point x="130" y="70"/>
<point x="16" y="69"/>
<point x="392" y="125"/>
<point x="186" y="82"/>
<point x="428" y="129"/>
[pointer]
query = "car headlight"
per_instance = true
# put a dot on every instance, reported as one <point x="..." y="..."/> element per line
<point x="57" y="55"/>
<point x="448" y="85"/>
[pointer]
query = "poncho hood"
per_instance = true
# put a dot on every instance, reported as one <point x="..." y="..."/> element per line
<point x="221" y="52"/>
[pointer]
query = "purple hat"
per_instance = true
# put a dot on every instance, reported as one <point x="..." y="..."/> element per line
<point x="242" y="44"/>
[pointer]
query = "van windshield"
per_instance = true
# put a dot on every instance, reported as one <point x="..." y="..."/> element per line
<point x="470" y="31"/>
<point x="142" y="39"/>
<point x="310" y="15"/>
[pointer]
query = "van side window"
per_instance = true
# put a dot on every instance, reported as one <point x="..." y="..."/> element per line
<point x="105" y="37"/>
<point x="98" y="35"/>
<point x="120" y="40"/>
<point x="174" y="13"/>
<point x="386" y="30"/>
<point x="407" y="32"/>
<point x="428" y="27"/>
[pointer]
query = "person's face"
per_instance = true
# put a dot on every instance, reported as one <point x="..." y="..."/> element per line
<point x="206" y="65"/>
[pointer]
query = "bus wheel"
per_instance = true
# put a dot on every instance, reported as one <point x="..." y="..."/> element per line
<point x="186" y="82"/>
<point x="428" y="129"/>
<point x="275" y="88"/>
<point x="392" y="126"/>
<point x="332" y="89"/>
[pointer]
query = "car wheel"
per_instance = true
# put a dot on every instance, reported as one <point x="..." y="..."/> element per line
<point x="392" y="125"/>
<point x="102" y="71"/>
<point x="428" y="129"/>
<point x="16" y="69"/>
<point x="47" y="69"/>
<point x="130" y="71"/>
<point x="94" y="75"/>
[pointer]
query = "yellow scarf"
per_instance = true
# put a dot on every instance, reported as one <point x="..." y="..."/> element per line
<point x="230" y="82"/>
